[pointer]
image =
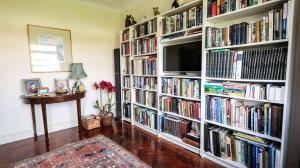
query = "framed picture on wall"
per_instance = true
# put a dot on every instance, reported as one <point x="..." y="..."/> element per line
<point x="50" y="49"/>
<point x="31" y="86"/>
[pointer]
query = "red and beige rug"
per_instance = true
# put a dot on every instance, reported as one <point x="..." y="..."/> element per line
<point x="95" y="152"/>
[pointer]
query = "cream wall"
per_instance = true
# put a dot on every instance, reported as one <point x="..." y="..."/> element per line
<point x="145" y="8"/>
<point x="94" y="36"/>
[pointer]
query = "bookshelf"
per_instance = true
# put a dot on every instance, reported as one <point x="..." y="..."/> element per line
<point x="152" y="82"/>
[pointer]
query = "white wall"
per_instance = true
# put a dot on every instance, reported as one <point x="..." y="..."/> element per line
<point x="94" y="36"/>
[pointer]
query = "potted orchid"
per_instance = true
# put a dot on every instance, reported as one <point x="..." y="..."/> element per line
<point x="105" y="108"/>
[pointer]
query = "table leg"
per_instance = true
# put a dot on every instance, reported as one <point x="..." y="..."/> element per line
<point x="78" y="102"/>
<point x="45" y="121"/>
<point x="33" y="122"/>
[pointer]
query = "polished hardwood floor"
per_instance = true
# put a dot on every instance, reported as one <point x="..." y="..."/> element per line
<point x="152" y="150"/>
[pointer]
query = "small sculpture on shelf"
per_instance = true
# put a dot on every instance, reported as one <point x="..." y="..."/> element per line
<point x="156" y="11"/>
<point x="177" y="3"/>
<point x="129" y="21"/>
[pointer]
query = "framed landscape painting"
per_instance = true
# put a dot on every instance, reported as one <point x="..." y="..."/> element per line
<point x="50" y="49"/>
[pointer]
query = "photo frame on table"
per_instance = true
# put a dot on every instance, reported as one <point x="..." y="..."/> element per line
<point x="62" y="84"/>
<point x="50" y="49"/>
<point x="31" y="86"/>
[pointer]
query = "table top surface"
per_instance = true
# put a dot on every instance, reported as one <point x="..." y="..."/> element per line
<point x="52" y="98"/>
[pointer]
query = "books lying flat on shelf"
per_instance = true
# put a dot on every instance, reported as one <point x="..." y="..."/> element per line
<point x="247" y="150"/>
<point x="218" y="7"/>
<point x="125" y="50"/>
<point x="125" y="65"/>
<point x="147" y="28"/>
<point x="145" y="117"/>
<point x="263" y="63"/>
<point x="146" y="98"/>
<point x="145" y="82"/>
<point x="268" y="92"/>
<point x="264" y="119"/>
<point x="142" y="46"/>
<point x="175" y="126"/>
<point x="126" y="82"/>
<point x="182" y="107"/>
<point x="126" y="95"/>
<point x="181" y="87"/>
<point x="144" y="66"/>
<point x="125" y="35"/>
<point x="274" y="26"/>
<point x="187" y="19"/>
<point x="127" y="110"/>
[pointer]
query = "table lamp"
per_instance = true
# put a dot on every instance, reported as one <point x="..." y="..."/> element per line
<point x="77" y="73"/>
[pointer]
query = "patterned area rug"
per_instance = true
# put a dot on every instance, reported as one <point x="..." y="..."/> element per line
<point x="95" y="152"/>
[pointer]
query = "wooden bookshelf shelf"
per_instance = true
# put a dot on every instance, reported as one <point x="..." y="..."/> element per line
<point x="180" y="97"/>
<point x="125" y="41"/>
<point x="243" y="98"/>
<point x="266" y="43"/>
<point x="150" y="90"/>
<point x="145" y="21"/>
<point x="148" y="107"/>
<point x="246" y="80"/>
<point x="127" y="55"/>
<point x="228" y="163"/>
<point x="145" y="36"/>
<point x="151" y="130"/>
<point x="245" y="131"/>
<point x="126" y="88"/>
<point x="181" y="31"/>
<point x="245" y="12"/>
<point x="182" y="8"/>
<point x="142" y="55"/>
<point x="185" y="38"/>
<point x="180" y="77"/>
<point x="153" y="76"/>
<point x="181" y="116"/>
<point x="127" y="119"/>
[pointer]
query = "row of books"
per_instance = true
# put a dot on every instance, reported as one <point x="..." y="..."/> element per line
<point x="187" y="19"/>
<point x="144" y="46"/>
<point x="182" y="107"/>
<point x="267" y="28"/>
<point x="174" y="126"/>
<point x="264" y="119"/>
<point x="218" y="7"/>
<point x="247" y="150"/>
<point x="181" y="87"/>
<point x="125" y="35"/>
<point x="125" y="50"/>
<point x="263" y="63"/>
<point x="145" y="82"/>
<point x="268" y="92"/>
<point x="126" y="82"/>
<point x="127" y="110"/>
<point x="126" y="95"/>
<point x="145" y="117"/>
<point x="125" y="63"/>
<point x="145" y="98"/>
<point x="147" y="28"/>
<point x="144" y="66"/>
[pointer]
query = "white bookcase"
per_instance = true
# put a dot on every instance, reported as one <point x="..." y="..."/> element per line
<point x="222" y="20"/>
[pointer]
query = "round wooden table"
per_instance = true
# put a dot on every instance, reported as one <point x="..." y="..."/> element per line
<point x="53" y="98"/>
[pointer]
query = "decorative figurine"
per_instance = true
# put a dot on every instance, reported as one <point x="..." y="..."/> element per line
<point x="155" y="10"/>
<point x="175" y="4"/>
<point x="129" y="21"/>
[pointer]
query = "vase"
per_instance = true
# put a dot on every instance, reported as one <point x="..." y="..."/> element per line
<point x="106" y="120"/>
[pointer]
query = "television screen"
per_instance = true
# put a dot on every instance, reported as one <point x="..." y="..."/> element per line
<point x="183" y="57"/>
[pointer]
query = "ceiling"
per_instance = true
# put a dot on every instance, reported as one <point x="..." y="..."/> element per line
<point x="116" y="5"/>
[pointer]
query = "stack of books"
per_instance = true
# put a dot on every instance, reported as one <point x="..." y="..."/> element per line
<point x="126" y="82"/>
<point x="188" y="19"/>
<point x="268" y="28"/>
<point x="264" y="119"/>
<point x="147" y="28"/>
<point x="144" y="66"/>
<point x="193" y="136"/>
<point x="144" y="46"/>
<point x="181" y="87"/>
<point x="126" y="95"/>
<point x="247" y="150"/>
<point x="146" y="98"/>
<point x="125" y="35"/>
<point x="145" y="117"/>
<point x="125" y="50"/>
<point x="127" y="110"/>
<point x="185" y="108"/>
<point x="263" y="63"/>
<point x="145" y="82"/>
<point x="218" y="7"/>
<point x="268" y="92"/>
<point x="175" y="126"/>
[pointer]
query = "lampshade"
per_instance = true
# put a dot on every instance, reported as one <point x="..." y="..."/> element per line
<point x="77" y="71"/>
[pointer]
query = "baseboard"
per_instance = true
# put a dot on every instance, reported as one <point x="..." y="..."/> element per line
<point x="4" y="139"/>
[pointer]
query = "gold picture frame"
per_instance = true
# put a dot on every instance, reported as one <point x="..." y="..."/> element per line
<point x="50" y="49"/>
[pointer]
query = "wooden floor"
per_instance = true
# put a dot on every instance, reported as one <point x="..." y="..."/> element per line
<point x="152" y="150"/>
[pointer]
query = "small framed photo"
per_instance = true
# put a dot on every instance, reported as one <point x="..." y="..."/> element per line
<point x="31" y="86"/>
<point x="62" y="84"/>
<point x="43" y="91"/>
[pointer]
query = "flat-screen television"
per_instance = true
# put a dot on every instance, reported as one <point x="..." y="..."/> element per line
<point x="183" y="57"/>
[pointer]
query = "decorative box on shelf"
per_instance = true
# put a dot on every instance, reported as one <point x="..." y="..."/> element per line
<point x="91" y="122"/>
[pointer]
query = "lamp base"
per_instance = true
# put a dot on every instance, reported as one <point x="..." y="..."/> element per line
<point x="78" y="87"/>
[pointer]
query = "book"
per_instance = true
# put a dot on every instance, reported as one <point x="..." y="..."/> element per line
<point x="145" y="117"/>
<point x="145" y="82"/>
